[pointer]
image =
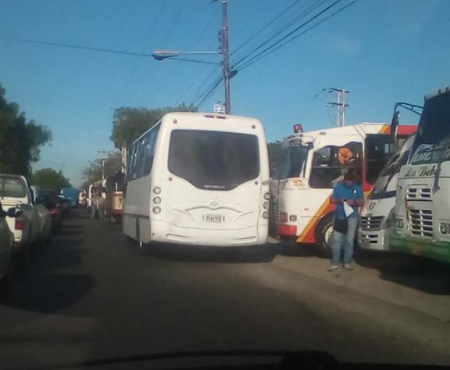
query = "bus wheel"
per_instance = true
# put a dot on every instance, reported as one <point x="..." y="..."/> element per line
<point x="324" y="232"/>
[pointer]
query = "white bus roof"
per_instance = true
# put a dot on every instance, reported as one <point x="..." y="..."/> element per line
<point x="190" y="115"/>
<point x="361" y="129"/>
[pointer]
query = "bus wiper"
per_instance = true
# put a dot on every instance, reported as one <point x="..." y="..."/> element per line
<point x="446" y="147"/>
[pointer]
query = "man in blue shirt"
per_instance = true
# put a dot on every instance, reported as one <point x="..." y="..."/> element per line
<point x="350" y="192"/>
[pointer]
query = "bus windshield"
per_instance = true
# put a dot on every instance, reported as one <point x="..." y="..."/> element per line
<point x="386" y="184"/>
<point x="214" y="160"/>
<point x="292" y="162"/>
<point x="434" y="131"/>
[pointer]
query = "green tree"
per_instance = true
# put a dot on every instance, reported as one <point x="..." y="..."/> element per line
<point x="48" y="178"/>
<point x="274" y="156"/>
<point x="93" y="172"/>
<point x="20" y="140"/>
<point x="130" y="123"/>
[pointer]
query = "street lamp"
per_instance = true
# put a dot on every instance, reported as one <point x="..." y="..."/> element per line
<point x="164" y="54"/>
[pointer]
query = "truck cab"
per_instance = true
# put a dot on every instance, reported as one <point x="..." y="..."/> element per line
<point x="378" y="215"/>
<point x="27" y="228"/>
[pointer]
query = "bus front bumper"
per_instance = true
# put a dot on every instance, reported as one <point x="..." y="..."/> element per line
<point x="424" y="247"/>
<point x="164" y="232"/>
<point x="373" y="240"/>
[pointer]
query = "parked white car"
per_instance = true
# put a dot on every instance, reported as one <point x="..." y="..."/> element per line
<point x="6" y="243"/>
<point x="43" y="216"/>
<point x="28" y="227"/>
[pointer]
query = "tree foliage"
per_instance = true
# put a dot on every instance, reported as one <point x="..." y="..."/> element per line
<point x="93" y="172"/>
<point x="130" y="123"/>
<point x="274" y="156"/>
<point x="48" y="178"/>
<point x="20" y="140"/>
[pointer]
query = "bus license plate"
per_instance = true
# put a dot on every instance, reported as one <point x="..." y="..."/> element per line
<point x="213" y="218"/>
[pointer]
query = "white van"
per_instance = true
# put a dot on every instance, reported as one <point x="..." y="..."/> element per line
<point x="199" y="179"/>
<point x="377" y="217"/>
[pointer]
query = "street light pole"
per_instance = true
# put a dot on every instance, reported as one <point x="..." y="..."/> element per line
<point x="226" y="57"/>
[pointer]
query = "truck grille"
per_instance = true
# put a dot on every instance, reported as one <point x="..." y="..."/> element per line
<point x="418" y="194"/>
<point x="421" y="222"/>
<point x="372" y="238"/>
<point x="371" y="222"/>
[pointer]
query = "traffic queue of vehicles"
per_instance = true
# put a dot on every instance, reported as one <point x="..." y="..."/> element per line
<point x="28" y="218"/>
<point x="202" y="179"/>
<point x="312" y="163"/>
<point x="405" y="174"/>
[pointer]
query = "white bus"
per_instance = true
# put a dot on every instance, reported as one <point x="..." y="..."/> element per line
<point x="422" y="208"/>
<point x="377" y="217"/>
<point x="198" y="179"/>
<point x="312" y="163"/>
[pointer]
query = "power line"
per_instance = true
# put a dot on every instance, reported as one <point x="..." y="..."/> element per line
<point x="138" y="65"/>
<point x="294" y="30"/>
<point x="209" y="92"/>
<point x="265" y="27"/>
<point x="279" y="44"/>
<point x="299" y="17"/>
<point x="205" y="81"/>
<point x="73" y="46"/>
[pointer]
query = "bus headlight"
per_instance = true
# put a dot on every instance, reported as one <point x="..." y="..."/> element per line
<point x="157" y="190"/>
<point x="156" y="210"/>
<point x="156" y="200"/>
<point x="444" y="228"/>
<point x="266" y="196"/>
<point x="293" y="218"/>
<point x="266" y="205"/>
<point x="389" y="221"/>
<point x="399" y="223"/>
<point x="265" y="215"/>
<point x="283" y="217"/>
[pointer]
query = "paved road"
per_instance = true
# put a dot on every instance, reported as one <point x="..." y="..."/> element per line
<point x="93" y="295"/>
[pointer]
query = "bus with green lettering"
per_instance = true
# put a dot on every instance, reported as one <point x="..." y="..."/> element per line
<point x="422" y="209"/>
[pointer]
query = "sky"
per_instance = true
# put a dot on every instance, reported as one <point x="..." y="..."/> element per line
<point x="382" y="51"/>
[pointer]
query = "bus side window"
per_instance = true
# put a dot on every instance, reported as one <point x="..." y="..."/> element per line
<point x="331" y="162"/>
<point x="323" y="172"/>
<point x="150" y="151"/>
<point x="132" y="170"/>
<point x="141" y="156"/>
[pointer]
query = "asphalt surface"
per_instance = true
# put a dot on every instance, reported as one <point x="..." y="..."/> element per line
<point x="91" y="294"/>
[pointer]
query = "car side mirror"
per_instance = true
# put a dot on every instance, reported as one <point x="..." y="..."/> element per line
<point x="14" y="212"/>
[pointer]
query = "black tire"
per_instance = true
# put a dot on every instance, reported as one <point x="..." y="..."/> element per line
<point x="7" y="280"/>
<point x="323" y="236"/>
<point x="23" y="258"/>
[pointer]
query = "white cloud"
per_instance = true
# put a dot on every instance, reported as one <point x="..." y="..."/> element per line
<point x="342" y="46"/>
<point x="346" y="47"/>
<point x="410" y="16"/>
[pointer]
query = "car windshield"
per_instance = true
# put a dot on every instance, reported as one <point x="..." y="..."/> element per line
<point x="217" y="179"/>
<point x="212" y="159"/>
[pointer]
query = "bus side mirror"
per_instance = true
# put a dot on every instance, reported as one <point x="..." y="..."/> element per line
<point x="394" y="124"/>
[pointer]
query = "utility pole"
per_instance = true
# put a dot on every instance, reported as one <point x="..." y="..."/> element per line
<point x="340" y="104"/>
<point x="226" y="57"/>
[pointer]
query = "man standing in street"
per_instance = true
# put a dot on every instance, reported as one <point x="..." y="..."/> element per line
<point x="348" y="197"/>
